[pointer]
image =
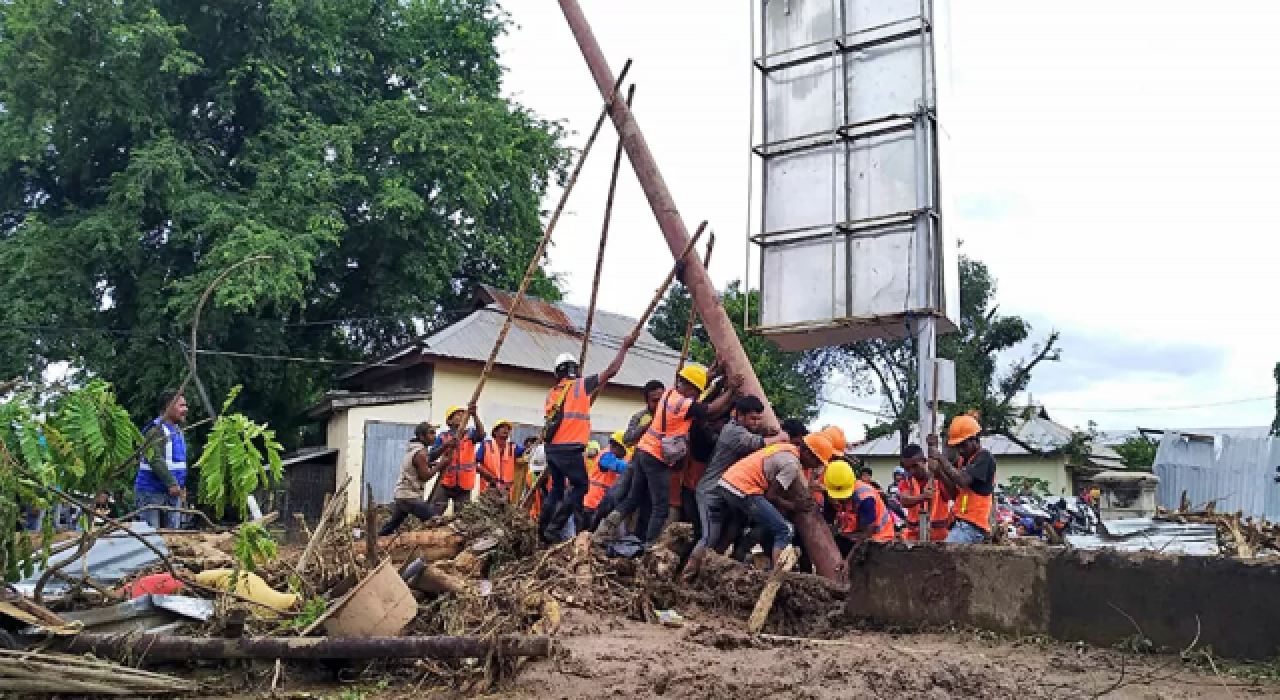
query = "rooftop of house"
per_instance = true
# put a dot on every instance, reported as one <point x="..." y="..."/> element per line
<point x="540" y="332"/>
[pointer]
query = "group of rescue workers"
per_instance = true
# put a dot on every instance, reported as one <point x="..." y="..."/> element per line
<point x="699" y="452"/>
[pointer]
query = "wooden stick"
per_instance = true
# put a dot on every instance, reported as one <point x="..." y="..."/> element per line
<point x="537" y="255"/>
<point x="604" y="237"/>
<point x="786" y="562"/>
<point x="657" y="297"/>
<point x="370" y="529"/>
<point x="693" y="313"/>
<point x="322" y="527"/>
<point x="926" y="514"/>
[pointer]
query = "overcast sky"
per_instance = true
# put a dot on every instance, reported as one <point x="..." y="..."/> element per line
<point x="1115" y="166"/>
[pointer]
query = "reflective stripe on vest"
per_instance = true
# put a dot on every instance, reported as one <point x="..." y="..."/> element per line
<point x="461" y="474"/>
<point x="670" y="421"/>
<point x="971" y="507"/>
<point x="747" y="474"/>
<point x="575" y="412"/>
<point x="882" y="529"/>
<point x="175" y="454"/>
<point x="499" y="463"/>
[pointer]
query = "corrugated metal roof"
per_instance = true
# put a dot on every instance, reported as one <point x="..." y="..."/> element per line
<point x="1238" y="473"/>
<point x="1147" y="535"/>
<point x="1040" y="433"/>
<point x="535" y="340"/>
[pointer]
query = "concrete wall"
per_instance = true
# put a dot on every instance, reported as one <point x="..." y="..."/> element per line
<point x="1051" y="469"/>
<point x="1074" y="595"/>
<point x="514" y="395"/>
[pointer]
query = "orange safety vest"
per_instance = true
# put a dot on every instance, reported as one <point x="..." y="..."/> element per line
<point x="461" y="472"/>
<point x="499" y="463"/>
<point x="939" y="516"/>
<point x="575" y="421"/>
<point x="535" y="503"/>
<point x="882" y="530"/>
<point x="747" y="474"/>
<point x="599" y="481"/>
<point x="973" y="508"/>
<point x="671" y="420"/>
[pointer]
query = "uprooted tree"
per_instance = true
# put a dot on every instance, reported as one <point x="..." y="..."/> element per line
<point x="889" y="367"/>
<point x="145" y="145"/>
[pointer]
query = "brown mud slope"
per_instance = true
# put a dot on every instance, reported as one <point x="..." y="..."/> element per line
<point x="609" y="657"/>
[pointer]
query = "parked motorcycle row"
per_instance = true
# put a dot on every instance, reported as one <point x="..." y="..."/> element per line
<point x="1050" y="518"/>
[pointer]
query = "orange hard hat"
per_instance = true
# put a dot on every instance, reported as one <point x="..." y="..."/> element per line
<point x="962" y="428"/>
<point x="820" y="446"/>
<point x="836" y="436"/>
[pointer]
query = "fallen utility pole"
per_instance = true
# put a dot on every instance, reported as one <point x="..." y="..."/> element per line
<point x="162" y="648"/>
<point x="817" y="539"/>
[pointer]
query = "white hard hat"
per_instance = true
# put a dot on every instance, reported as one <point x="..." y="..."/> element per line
<point x="565" y="358"/>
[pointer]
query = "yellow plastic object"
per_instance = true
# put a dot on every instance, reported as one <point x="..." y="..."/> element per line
<point x="250" y="586"/>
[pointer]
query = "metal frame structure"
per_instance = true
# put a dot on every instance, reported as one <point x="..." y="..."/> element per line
<point x="890" y="266"/>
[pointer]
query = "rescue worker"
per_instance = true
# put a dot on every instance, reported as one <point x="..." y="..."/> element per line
<point x="458" y="448"/>
<point x="497" y="457"/>
<point x="602" y="473"/>
<point x="653" y="391"/>
<point x="917" y="497"/>
<point x="568" y="429"/>
<point x="854" y="509"/>
<point x="669" y="430"/>
<point x="162" y="471"/>
<point x="972" y="479"/>
<point x="756" y="486"/>
<point x="415" y="472"/>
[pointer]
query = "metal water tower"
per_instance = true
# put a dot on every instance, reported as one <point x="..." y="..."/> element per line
<point x="853" y="239"/>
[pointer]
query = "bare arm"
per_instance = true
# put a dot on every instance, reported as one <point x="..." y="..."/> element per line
<point x="616" y="365"/>
<point x="475" y="419"/>
<point x="955" y="478"/>
<point x="779" y="497"/>
<point x="722" y="402"/>
<point x="422" y="465"/>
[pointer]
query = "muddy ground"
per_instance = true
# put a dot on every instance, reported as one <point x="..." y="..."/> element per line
<point x="626" y="659"/>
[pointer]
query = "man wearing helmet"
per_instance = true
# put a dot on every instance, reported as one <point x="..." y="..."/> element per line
<point x="567" y="431"/>
<point x="972" y="478"/>
<point x="457" y="448"/>
<point x="665" y="445"/>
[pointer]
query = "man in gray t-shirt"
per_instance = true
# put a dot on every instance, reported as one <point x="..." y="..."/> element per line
<point x="741" y="436"/>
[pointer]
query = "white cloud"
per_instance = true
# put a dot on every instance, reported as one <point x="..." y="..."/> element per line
<point x="1115" y="167"/>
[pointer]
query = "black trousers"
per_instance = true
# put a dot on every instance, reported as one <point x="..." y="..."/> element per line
<point x="563" y="466"/>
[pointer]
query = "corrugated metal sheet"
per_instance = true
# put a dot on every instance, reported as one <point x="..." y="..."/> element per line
<point x="536" y="348"/>
<point x="1147" y="535"/>
<point x="108" y="561"/>
<point x="1040" y="433"/>
<point x="1236" y="472"/>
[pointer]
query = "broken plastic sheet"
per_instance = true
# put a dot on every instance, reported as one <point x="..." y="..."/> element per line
<point x="110" y="560"/>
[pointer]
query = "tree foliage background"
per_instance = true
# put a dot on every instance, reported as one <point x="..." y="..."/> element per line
<point x="983" y="381"/>
<point x="145" y="145"/>
<point x="792" y="381"/>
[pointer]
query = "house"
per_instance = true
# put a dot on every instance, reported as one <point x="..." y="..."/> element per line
<point x="372" y="416"/>
<point x="1037" y="450"/>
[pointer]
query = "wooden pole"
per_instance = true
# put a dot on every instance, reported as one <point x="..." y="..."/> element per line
<point x="926" y="514"/>
<point x="542" y="246"/>
<point x="604" y="237"/>
<point x="370" y="529"/>
<point x="693" y="313"/>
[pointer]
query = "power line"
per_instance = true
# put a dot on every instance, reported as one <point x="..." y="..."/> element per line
<point x="851" y="407"/>
<point x="286" y="358"/>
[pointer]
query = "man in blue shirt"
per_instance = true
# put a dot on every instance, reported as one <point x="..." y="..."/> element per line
<point x="162" y="472"/>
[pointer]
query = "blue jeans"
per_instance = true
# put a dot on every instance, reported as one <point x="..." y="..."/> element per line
<point x="172" y="520"/>
<point x="965" y="533"/>
<point x="778" y="532"/>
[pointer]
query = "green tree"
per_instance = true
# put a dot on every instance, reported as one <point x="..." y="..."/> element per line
<point x="1138" y="452"/>
<point x="792" y="381"/>
<point x="145" y="145"/>
<point x="982" y="383"/>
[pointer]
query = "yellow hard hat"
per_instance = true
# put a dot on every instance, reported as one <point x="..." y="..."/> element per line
<point x="452" y="410"/>
<point x="619" y="438"/>
<point x="695" y="375"/>
<point x="962" y="428"/>
<point x="503" y="422"/>
<point x="839" y="480"/>
<point x="820" y="446"/>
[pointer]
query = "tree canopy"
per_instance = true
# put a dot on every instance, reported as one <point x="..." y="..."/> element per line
<point x="983" y="384"/>
<point x="792" y="381"/>
<point x="146" y="145"/>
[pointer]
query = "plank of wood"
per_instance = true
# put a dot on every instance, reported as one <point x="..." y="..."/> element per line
<point x="786" y="562"/>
